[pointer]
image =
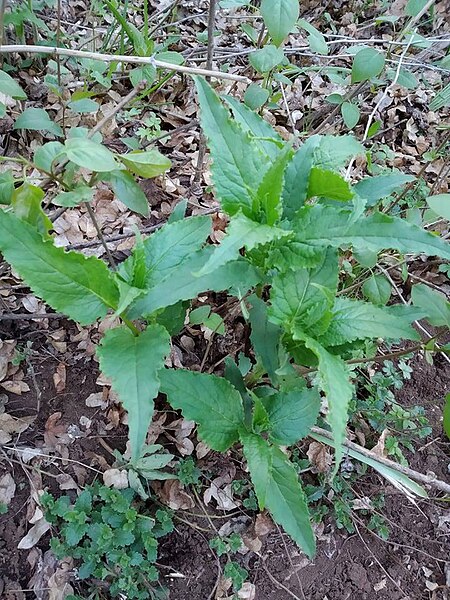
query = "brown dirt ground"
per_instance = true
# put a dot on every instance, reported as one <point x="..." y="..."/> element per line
<point x="346" y="566"/>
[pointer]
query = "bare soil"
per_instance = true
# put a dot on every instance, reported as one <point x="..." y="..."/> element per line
<point x="412" y="564"/>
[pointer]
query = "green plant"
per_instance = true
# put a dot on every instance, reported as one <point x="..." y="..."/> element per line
<point x="290" y="213"/>
<point x="105" y="531"/>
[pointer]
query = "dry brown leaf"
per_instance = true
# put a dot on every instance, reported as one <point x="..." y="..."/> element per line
<point x="58" y="583"/>
<point x="53" y="432"/>
<point x="7" y="489"/>
<point x="319" y="457"/>
<point x="34" y="535"/>
<point x="97" y="399"/>
<point x="59" y="378"/>
<point x="222" y="492"/>
<point x="247" y="591"/>
<point x="182" y="430"/>
<point x="66" y="482"/>
<point x="7" y="350"/>
<point x="378" y="449"/>
<point x="15" y="387"/>
<point x="263" y="524"/>
<point x="10" y="424"/>
<point x="116" y="478"/>
<point x="175" y="496"/>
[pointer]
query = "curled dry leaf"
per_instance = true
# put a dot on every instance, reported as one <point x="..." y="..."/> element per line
<point x="59" y="378"/>
<point x="201" y="450"/>
<point x="378" y="449"/>
<point x="116" y="478"/>
<point x="222" y="492"/>
<point x="7" y="350"/>
<point x="182" y="430"/>
<point x="96" y="400"/>
<point x="66" y="482"/>
<point x="58" y="583"/>
<point x="247" y="591"/>
<point x="319" y="457"/>
<point x="175" y="496"/>
<point x="34" y="535"/>
<point x="263" y="524"/>
<point x="7" y="489"/>
<point x="54" y="432"/>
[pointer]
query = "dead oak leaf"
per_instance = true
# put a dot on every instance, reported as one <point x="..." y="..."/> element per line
<point x="7" y="489"/>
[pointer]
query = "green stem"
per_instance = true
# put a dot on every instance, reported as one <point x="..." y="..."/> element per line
<point x="130" y="325"/>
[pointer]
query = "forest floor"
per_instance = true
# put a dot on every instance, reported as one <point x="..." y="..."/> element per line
<point x="60" y="422"/>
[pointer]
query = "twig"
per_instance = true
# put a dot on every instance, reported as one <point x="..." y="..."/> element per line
<point x="209" y="59"/>
<point x="375" y="558"/>
<point x="30" y="316"/>
<point x="139" y="60"/>
<point x="276" y="582"/>
<point x="111" y="260"/>
<point x="430" y="480"/>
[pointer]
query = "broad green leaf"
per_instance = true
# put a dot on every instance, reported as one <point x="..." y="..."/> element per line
<point x="268" y="194"/>
<point x="265" y="336"/>
<point x="80" y="287"/>
<point x="327" y="226"/>
<point x="278" y="488"/>
<point x="238" y="164"/>
<point x="183" y="284"/>
<point x="334" y="151"/>
<point x="266" y="59"/>
<point x="447" y="415"/>
<point x="366" y="258"/>
<point x="167" y="249"/>
<point x="377" y="289"/>
<point x="2" y="110"/>
<point x="292" y="414"/>
<point x="148" y="163"/>
<point x="296" y="178"/>
<point x="170" y="56"/>
<point x="350" y="113"/>
<point x="127" y="295"/>
<point x="405" y="78"/>
<point x="80" y="194"/>
<point x="37" y="119"/>
<point x="441" y="99"/>
<point x="256" y="96"/>
<point x="242" y="232"/>
<point x="316" y="40"/>
<point x="132" y="363"/>
<point x="84" y="105"/>
<point x="212" y="402"/>
<point x="145" y="73"/>
<point x="6" y="187"/>
<point x="26" y="201"/>
<point x="198" y="315"/>
<point x="45" y="155"/>
<point x="328" y="184"/>
<point x="10" y="87"/>
<point x="367" y="63"/>
<point x="376" y="188"/>
<point x="334" y="382"/>
<point x="413" y="7"/>
<point x="440" y="204"/>
<point x="434" y="304"/>
<point x="265" y="137"/>
<point x="280" y="17"/>
<point x="301" y="300"/>
<point x="356" y="320"/>
<point x="128" y="191"/>
<point x="91" y="155"/>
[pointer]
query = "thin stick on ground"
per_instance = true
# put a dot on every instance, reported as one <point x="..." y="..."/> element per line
<point x="111" y="260"/>
<point x="430" y="480"/>
<point x="120" y="58"/>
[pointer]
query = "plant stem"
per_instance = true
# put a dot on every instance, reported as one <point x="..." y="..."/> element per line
<point x="90" y="210"/>
<point x="209" y="59"/>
